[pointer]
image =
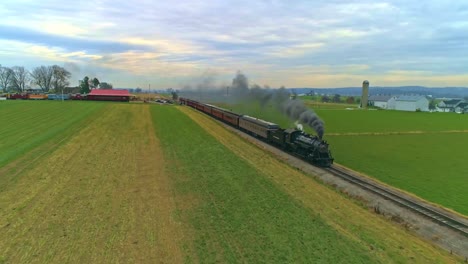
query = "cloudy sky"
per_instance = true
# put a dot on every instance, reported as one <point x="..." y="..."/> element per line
<point x="311" y="43"/>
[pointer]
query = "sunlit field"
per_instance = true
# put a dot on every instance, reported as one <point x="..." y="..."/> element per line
<point x="416" y="151"/>
<point x="156" y="183"/>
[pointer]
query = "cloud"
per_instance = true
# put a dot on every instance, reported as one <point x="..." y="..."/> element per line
<point x="65" y="42"/>
<point x="275" y="42"/>
<point x="295" y="50"/>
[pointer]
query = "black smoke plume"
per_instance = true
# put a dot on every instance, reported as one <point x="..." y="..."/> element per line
<point x="239" y="91"/>
<point x="296" y="110"/>
<point x="240" y="86"/>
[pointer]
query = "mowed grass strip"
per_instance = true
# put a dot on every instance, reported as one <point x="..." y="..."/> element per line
<point x="28" y="124"/>
<point x="103" y="197"/>
<point x="385" y="242"/>
<point x="236" y="212"/>
<point x="432" y="166"/>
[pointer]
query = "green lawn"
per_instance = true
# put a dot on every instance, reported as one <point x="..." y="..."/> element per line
<point x="237" y="213"/>
<point x="346" y="121"/>
<point x="28" y="124"/>
<point x="431" y="164"/>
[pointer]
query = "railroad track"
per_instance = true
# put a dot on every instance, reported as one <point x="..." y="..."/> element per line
<point x="432" y="214"/>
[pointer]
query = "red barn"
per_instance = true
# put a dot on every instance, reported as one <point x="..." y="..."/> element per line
<point x="109" y="95"/>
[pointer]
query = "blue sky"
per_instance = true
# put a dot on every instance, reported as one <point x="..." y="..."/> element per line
<point x="293" y="43"/>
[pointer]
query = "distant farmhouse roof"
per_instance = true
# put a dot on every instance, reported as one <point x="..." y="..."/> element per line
<point x="409" y="98"/>
<point x="453" y="102"/>
<point x="380" y="98"/>
<point x="451" y="105"/>
<point x="463" y="105"/>
<point x="109" y="95"/>
<point x="109" y="92"/>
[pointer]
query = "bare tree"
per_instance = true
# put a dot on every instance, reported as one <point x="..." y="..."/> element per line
<point x="43" y="76"/>
<point x="20" y="78"/>
<point x="60" y="78"/>
<point x="6" y="75"/>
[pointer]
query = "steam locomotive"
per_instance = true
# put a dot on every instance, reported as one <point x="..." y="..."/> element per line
<point x="310" y="148"/>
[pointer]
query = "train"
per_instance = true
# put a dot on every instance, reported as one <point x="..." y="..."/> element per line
<point x="39" y="96"/>
<point x="312" y="149"/>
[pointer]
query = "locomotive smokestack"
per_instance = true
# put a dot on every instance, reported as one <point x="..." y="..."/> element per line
<point x="365" y="94"/>
<point x="296" y="110"/>
<point x="299" y="126"/>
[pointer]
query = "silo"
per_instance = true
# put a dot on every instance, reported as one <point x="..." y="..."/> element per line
<point x="365" y="93"/>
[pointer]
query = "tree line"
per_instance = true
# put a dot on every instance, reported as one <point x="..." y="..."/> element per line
<point x="87" y="84"/>
<point x="52" y="78"/>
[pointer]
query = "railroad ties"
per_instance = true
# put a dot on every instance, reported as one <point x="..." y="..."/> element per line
<point x="435" y="216"/>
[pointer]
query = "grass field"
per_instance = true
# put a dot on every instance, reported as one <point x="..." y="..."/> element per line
<point x="422" y="153"/>
<point x="28" y="124"/>
<point x="387" y="243"/>
<point x="425" y="164"/>
<point x="359" y="121"/>
<point x="145" y="183"/>
<point x="419" y="152"/>
<point x="334" y="106"/>
<point x="236" y="212"/>
<point x="101" y="196"/>
<point x="315" y="102"/>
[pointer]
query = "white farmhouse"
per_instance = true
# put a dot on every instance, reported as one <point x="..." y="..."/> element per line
<point x="449" y="105"/>
<point x="412" y="103"/>
<point x="462" y="108"/>
<point x="381" y="101"/>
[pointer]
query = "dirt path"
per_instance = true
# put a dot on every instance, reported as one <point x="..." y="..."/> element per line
<point x="382" y="237"/>
<point x="103" y="196"/>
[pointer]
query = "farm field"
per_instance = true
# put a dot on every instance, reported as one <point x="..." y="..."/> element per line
<point x="422" y="153"/>
<point x="360" y="121"/>
<point x="316" y="102"/>
<point x="102" y="196"/>
<point x="423" y="164"/>
<point x="146" y="183"/>
<point x="28" y="124"/>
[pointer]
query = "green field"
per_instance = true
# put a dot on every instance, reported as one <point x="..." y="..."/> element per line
<point x="431" y="166"/>
<point x="28" y="124"/>
<point x="355" y="121"/>
<point x="141" y="183"/>
<point x="423" y="153"/>
<point x="239" y="206"/>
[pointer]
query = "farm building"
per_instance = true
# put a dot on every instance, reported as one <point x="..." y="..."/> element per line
<point x="109" y="95"/>
<point x="449" y="105"/>
<point x="462" y="108"/>
<point x="381" y="101"/>
<point x="411" y="103"/>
